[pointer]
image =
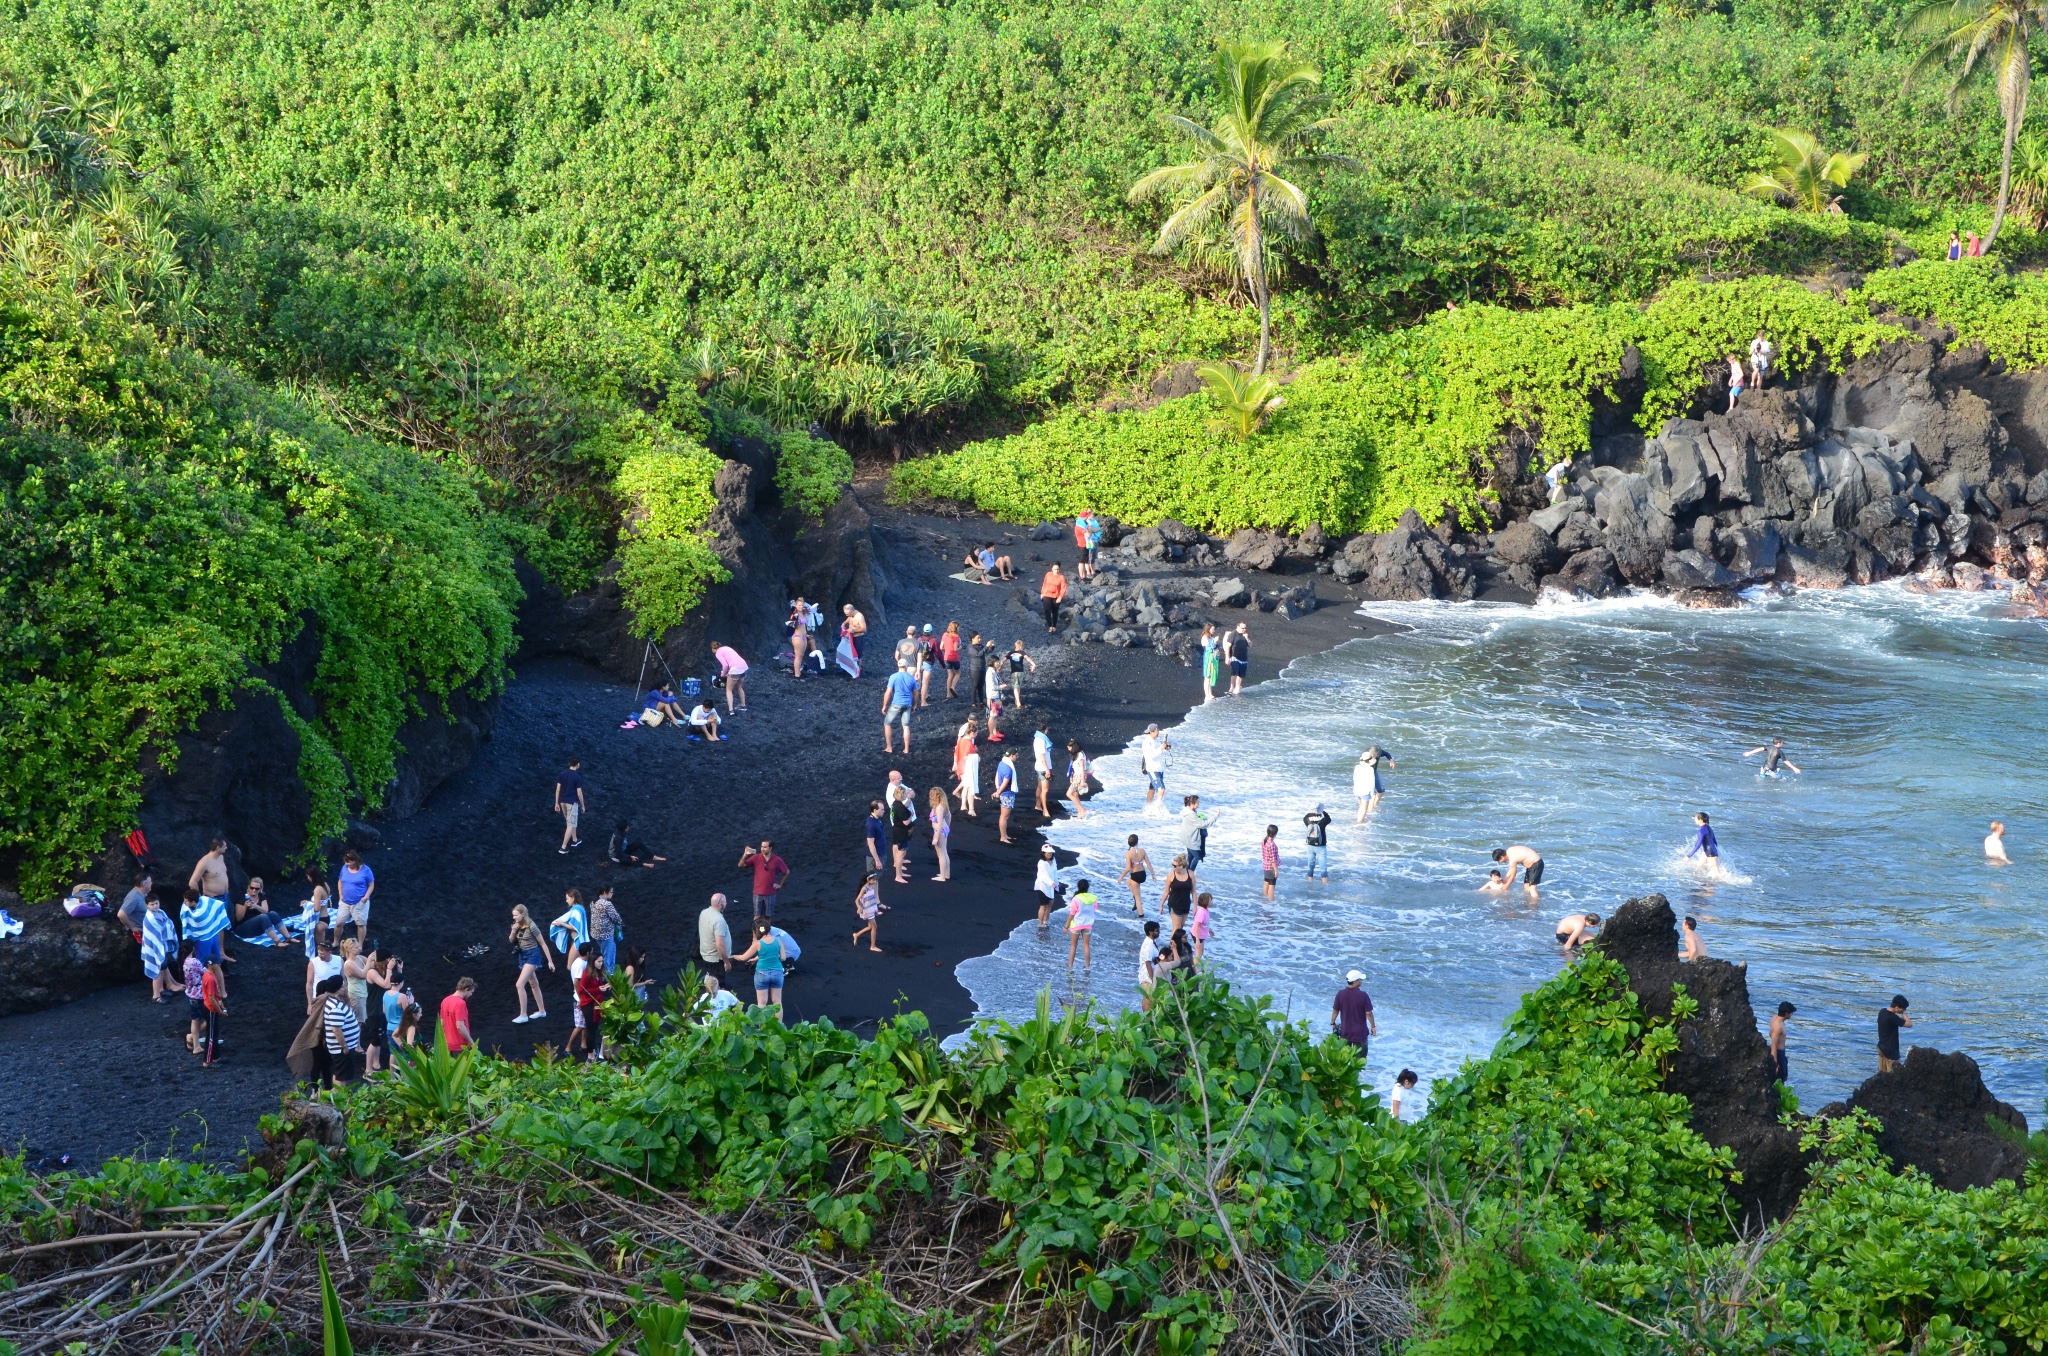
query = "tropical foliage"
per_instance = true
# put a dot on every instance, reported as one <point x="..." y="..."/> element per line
<point x="1807" y="176"/>
<point x="1987" y="40"/>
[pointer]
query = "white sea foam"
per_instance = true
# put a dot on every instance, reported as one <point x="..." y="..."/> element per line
<point x="1593" y="731"/>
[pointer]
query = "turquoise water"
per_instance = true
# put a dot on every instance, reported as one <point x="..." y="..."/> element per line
<point x="1593" y="732"/>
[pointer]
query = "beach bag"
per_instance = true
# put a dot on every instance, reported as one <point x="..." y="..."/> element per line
<point x="651" y="717"/>
<point x="85" y="901"/>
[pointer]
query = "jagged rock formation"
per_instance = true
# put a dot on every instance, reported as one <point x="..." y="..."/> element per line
<point x="1935" y="1110"/>
<point x="1723" y="1066"/>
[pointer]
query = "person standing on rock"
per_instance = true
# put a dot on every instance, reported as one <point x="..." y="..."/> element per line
<point x="570" y="803"/>
<point x="1994" y="845"/>
<point x="1052" y="591"/>
<point x="1555" y="478"/>
<point x="1240" y="658"/>
<point x="1365" y="780"/>
<point x="1774" y="758"/>
<point x="1704" y="843"/>
<point x="1734" y="380"/>
<point x="1526" y="860"/>
<point x="205" y="915"/>
<point x="1760" y="352"/>
<point x="1351" y="1015"/>
<point x="1889" y="1020"/>
<point x="1778" y="1056"/>
<point x="1152" y="750"/>
<point x="731" y="669"/>
<point x="1317" y="822"/>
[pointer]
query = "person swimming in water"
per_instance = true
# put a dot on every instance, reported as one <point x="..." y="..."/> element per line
<point x="1704" y="842"/>
<point x="1496" y="883"/>
<point x="1774" y="758"/>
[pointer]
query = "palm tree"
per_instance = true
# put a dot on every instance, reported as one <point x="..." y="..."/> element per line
<point x="1988" y="36"/>
<point x="2030" y="180"/>
<point x="1268" y="120"/>
<point x="1246" y="400"/>
<point x="1806" y="174"/>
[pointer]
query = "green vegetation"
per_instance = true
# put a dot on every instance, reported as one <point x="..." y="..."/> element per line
<point x="1807" y="175"/>
<point x="1202" y="1174"/>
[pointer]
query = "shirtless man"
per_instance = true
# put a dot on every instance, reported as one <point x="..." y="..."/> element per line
<point x="1774" y="758"/>
<point x="210" y="879"/>
<point x="1526" y="860"/>
<point x="1576" y="929"/>
<point x="1994" y="845"/>
<point x="1695" y="949"/>
<point x="1778" y="1042"/>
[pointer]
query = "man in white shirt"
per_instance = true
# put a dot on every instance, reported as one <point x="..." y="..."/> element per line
<point x="1152" y="757"/>
<point x="1148" y="952"/>
<point x="704" y="717"/>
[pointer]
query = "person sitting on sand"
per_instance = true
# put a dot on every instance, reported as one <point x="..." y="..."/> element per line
<point x="664" y="700"/>
<point x="704" y="718"/>
<point x="1576" y="929"/>
<point x="1994" y="845"/>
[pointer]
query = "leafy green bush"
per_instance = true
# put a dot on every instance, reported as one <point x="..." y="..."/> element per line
<point x="810" y="472"/>
<point x="665" y="558"/>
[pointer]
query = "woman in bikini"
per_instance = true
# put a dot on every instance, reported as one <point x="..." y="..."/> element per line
<point x="1137" y="869"/>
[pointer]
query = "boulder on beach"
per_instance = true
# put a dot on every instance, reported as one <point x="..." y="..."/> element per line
<point x="1936" y="1114"/>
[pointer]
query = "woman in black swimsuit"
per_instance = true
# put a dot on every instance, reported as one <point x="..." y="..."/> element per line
<point x="1180" y="891"/>
<point x="1137" y="868"/>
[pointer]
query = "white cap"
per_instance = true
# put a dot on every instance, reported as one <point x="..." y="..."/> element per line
<point x="1354" y="977"/>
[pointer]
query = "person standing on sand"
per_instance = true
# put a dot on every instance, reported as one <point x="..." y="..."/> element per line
<point x="1137" y="867"/>
<point x="992" y="683"/>
<point x="1366" y="783"/>
<point x="135" y="904"/>
<point x="1041" y="764"/>
<point x="1020" y="663"/>
<point x="770" y="874"/>
<point x="765" y="951"/>
<point x="1317" y="822"/>
<point x="355" y="883"/>
<point x="1152" y="750"/>
<point x="1198" y="926"/>
<point x="1351" y="1015"/>
<point x="1269" y="859"/>
<point x="941" y="817"/>
<point x="1081" y="910"/>
<point x="731" y="668"/>
<point x="159" y="950"/>
<point x="213" y="996"/>
<point x="901" y="818"/>
<point x="977" y="667"/>
<point x="1045" y="884"/>
<point x="1703" y="841"/>
<point x="799" y="628"/>
<point x="1695" y="949"/>
<point x="455" y="1033"/>
<point x="867" y="906"/>
<point x="897" y="697"/>
<point x="1889" y="1020"/>
<point x="570" y="803"/>
<point x="1574" y="930"/>
<point x="1526" y="860"/>
<point x="949" y="656"/>
<point x="967" y="758"/>
<point x="927" y="660"/>
<point x="1778" y="1055"/>
<point x="529" y="953"/>
<point x="1994" y="845"/>
<point x="1052" y="591"/>
<point x="853" y="628"/>
<point x="1006" y="794"/>
<point x="323" y="965"/>
<point x="906" y="649"/>
<point x="210" y="880"/>
<point x="1178" y="897"/>
<point x="714" y="938"/>
<point x="1240" y="658"/>
<point x="605" y="927"/>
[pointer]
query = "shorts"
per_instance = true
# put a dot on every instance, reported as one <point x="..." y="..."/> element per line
<point x="576" y="1019"/>
<point x="1156" y="780"/>
<point x="1087" y="555"/>
<point x="764" y="907"/>
<point x="1238" y="666"/>
<point x="357" y="913"/>
<point x="1138" y="878"/>
<point x="772" y="980"/>
<point x="570" y="811"/>
<point x="952" y="665"/>
<point x="1271" y="877"/>
<point x="207" y="948"/>
<point x="1564" y="939"/>
<point x="196" y="1008"/>
<point x="534" y="958"/>
<point x="895" y="714"/>
<point x="1534" y="875"/>
<point x="1784" y="1068"/>
<point x="1008" y="798"/>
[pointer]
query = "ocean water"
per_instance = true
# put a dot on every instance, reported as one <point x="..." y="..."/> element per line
<point x="1593" y="731"/>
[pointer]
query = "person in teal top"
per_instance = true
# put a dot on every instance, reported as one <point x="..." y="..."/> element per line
<point x="766" y="954"/>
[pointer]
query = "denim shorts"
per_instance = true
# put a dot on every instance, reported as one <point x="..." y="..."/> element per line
<point x="1157" y="780"/>
<point x="769" y="981"/>
<point x="895" y="714"/>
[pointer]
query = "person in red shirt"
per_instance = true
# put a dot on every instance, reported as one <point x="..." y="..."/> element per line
<point x="591" y="991"/>
<point x="770" y="871"/>
<point x="455" y="1016"/>
<point x="949" y="655"/>
<point x="1052" y="591"/>
<point x="213" y="992"/>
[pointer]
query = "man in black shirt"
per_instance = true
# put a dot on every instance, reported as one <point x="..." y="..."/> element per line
<point x="570" y="803"/>
<point x="1889" y="1020"/>
<point x="1318" y="823"/>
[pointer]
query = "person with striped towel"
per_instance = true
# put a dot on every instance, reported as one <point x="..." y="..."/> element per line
<point x="159" y="949"/>
<point x="203" y="919"/>
<point x="210" y="880"/>
<point x="343" y="1034"/>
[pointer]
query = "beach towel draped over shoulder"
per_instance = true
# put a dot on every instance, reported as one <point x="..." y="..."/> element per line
<point x="206" y="919"/>
<point x="312" y="1036"/>
<point x="574" y="925"/>
<point x="159" y="941"/>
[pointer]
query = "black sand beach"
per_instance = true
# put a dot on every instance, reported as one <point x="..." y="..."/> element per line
<point x="108" y="1075"/>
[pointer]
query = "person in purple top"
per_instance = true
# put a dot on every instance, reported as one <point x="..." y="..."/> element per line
<point x="1351" y="1013"/>
<point x="1704" y="843"/>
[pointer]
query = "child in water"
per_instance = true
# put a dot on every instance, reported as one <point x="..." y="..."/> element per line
<point x="1704" y="842"/>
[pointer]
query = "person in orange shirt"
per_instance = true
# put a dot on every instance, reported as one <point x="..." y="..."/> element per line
<point x="1052" y="591"/>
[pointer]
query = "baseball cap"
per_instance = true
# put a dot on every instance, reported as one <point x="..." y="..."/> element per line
<point x="1152" y="729"/>
<point x="1046" y="851"/>
<point x="1354" y="976"/>
<point x="927" y="628"/>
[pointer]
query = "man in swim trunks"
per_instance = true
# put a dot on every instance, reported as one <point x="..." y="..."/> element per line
<point x="1526" y="860"/>
<point x="1778" y="1042"/>
<point x="1704" y="842"/>
<point x="1774" y="757"/>
<point x="1576" y="929"/>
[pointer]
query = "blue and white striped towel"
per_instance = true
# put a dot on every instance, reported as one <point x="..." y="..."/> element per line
<point x="159" y="941"/>
<point x="206" y="919"/>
